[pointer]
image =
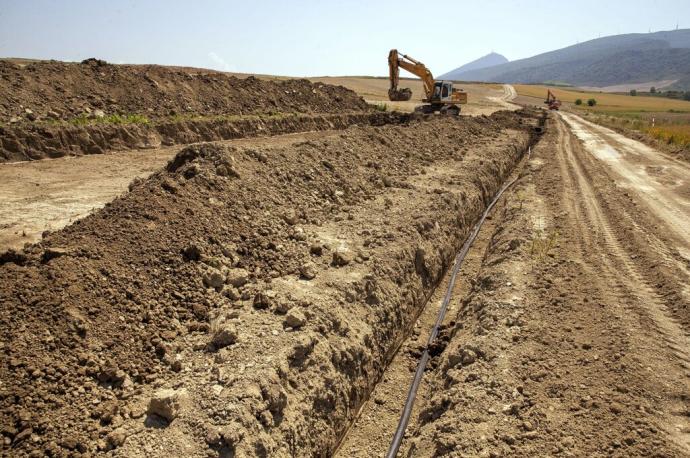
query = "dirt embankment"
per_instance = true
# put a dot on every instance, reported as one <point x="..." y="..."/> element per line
<point x="569" y="343"/>
<point x="39" y="142"/>
<point x="52" y="109"/>
<point x="63" y="91"/>
<point x="240" y="300"/>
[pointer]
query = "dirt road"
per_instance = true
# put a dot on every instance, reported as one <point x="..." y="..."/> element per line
<point x="574" y="338"/>
<point x="509" y="94"/>
<point x="625" y="266"/>
<point x="662" y="182"/>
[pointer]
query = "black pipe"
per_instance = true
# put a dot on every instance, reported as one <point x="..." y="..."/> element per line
<point x="421" y="366"/>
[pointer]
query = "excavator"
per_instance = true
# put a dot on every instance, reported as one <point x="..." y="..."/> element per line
<point x="552" y="101"/>
<point x="441" y="96"/>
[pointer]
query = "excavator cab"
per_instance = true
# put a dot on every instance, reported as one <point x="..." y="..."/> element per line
<point x="443" y="91"/>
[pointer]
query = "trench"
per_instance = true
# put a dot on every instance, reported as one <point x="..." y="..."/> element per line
<point x="51" y="141"/>
<point x="357" y="439"/>
<point x="307" y="384"/>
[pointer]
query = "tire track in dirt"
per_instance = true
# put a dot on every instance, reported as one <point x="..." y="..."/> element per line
<point x="659" y="181"/>
<point x="509" y="94"/>
<point x="628" y="284"/>
<point x="572" y="350"/>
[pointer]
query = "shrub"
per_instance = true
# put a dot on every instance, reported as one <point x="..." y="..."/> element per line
<point x="652" y="90"/>
<point x="676" y="134"/>
<point x="633" y="92"/>
<point x="542" y="243"/>
<point x="591" y="102"/>
<point x="381" y="107"/>
<point x="578" y="102"/>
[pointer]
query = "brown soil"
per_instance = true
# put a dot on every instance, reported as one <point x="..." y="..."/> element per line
<point x="48" y="195"/>
<point x="271" y="297"/>
<point x="71" y="90"/>
<point x="266" y="287"/>
<point x="53" y="109"/>
<point x="371" y="433"/>
<point x="40" y="142"/>
<point x="574" y="339"/>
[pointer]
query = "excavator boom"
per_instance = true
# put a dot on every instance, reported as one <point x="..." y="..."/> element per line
<point x="395" y="61"/>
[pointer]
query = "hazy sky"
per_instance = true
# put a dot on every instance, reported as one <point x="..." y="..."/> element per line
<point x="312" y="38"/>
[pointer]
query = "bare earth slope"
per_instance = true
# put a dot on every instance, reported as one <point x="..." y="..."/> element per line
<point x="72" y="89"/>
<point x="53" y="109"/>
<point x="240" y="300"/>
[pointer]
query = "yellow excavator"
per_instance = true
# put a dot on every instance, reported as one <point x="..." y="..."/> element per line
<point x="441" y="96"/>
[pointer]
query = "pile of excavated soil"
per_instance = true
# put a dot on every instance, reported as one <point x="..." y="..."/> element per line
<point x="60" y="90"/>
<point x="53" y="109"/>
<point x="240" y="301"/>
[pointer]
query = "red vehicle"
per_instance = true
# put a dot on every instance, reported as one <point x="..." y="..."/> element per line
<point x="552" y="101"/>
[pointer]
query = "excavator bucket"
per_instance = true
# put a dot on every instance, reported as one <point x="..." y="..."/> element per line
<point x="400" y="94"/>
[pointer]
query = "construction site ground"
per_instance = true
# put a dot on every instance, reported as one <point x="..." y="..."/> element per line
<point x="271" y="295"/>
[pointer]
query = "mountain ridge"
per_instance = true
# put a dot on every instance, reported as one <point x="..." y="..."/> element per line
<point x="489" y="60"/>
<point x="617" y="59"/>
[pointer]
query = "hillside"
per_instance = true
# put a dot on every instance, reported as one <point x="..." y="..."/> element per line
<point x="489" y="60"/>
<point x="618" y="59"/>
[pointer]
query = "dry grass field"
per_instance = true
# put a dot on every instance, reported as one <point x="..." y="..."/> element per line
<point x="678" y="134"/>
<point x="666" y="120"/>
<point x="606" y="102"/>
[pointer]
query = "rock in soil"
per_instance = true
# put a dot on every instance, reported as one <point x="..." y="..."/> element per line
<point x="167" y="403"/>
<point x="226" y="335"/>
<point x="295" y="318"/>
<point x="237" y="277"/>
<point x="342" y="257"/>
<point x="307" y="271"/>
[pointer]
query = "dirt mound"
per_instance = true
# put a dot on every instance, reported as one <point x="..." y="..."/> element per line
<point x="54" y="91"/>
<point x="30" y="142"/>
<point x="239" y="300"/>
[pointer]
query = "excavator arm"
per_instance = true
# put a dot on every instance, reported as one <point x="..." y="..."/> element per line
<point x="395" y="61"/>
<point x="549" y="96"/>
